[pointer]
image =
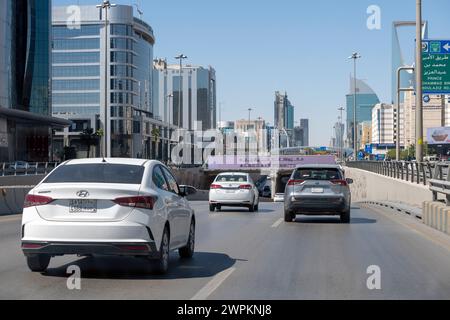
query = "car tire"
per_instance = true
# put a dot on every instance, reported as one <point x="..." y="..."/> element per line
<point x="288" y="216"/>
<point x="346" y="217"/>
<point x="257" y="207"/>
<point x="38" y="262"/>
<point x="219" y="208"/>
<point x="161" y="265"/>
<point x="212" y="208"/>
<point x="251" y="208"/>
<point x="187" y="252"/>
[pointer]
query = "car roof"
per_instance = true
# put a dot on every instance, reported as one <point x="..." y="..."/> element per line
<point x="233" y="174"/>
<point x="135" y="162"/>
<point x="319" y="166"/>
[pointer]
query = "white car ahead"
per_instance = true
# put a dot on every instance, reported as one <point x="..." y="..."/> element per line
<point x="233" y="190"/>
<point x="122" y="207"/>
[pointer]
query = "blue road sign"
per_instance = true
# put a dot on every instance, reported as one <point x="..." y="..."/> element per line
<point x="368" y="148"/>
<point x="436" y="66"/>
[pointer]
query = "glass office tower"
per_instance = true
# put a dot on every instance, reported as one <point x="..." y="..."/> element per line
<point x="79" y="80"/>
<point x="25" y="122"/>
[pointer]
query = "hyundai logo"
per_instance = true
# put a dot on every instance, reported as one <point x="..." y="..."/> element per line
<point x="83" y="194"/>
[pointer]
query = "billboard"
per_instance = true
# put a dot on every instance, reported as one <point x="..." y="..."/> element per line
<point x="439" y="135"/>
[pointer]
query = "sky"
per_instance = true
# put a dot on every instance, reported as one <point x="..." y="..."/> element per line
<point x="299" y="46"/>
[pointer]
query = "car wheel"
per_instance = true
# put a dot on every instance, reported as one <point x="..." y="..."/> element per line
<point x="38" y="262"/>
<point x="212" y="208"/>
<point x="219" y="208"/>
<point x="251" y="208"/>
<point x="288" y="216"/>
<point x="345" y="217"/>
<point x="161" y="265"/>
<point x="187" y="252"/>
<point x="257" y="207"/>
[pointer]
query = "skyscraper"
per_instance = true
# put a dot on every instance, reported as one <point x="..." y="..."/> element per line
<point x="366" y="99"/>
<point x="79" y="63"/>
<point x="25" y="110"/>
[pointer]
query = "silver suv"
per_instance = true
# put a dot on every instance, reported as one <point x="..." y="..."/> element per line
<point x="318" y="190"/>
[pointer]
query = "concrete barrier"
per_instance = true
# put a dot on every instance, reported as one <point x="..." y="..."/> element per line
<point x="436" y="215"/>
<point x="370" y="186"/>
<point x="12" y="198"/>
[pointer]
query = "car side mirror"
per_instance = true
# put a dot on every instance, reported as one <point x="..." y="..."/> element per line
<point x="186" y="191"/>
<point x="349" y="181"/>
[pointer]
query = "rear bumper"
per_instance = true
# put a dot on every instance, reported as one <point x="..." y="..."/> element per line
<point x="230" y="199"/>
<point x="30" y="248"/>
<point x="318" y="205"/>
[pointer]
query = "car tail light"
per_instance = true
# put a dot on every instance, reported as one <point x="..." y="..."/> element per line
<point x="137" y="202"/>
<point x="245" y="187"/>
<point x="295" y="182"/>
<point x="216" y="186"/>
<point x="34" y="201"/>
<point x="340" y="182"/>
<point x="32" y="245"/>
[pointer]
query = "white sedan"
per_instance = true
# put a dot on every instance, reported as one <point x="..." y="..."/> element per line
<point x="233" y="190"/>
<point x="120" y="207"/>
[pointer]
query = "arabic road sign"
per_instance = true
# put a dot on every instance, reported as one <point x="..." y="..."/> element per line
<point x="436" y="66"/>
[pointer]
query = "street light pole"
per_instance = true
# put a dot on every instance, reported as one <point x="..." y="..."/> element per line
<point x="180" y="57"/>
<point x="355" y="56"/>
<point x="419" y="95"/>
<point x="398" y="111"/>
<point x="106" y="5"/>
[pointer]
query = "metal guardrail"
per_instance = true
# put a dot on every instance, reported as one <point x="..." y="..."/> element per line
<point x="35" y="168"/>
<point x="440" y="183"/>
<point x="414" y="172"/>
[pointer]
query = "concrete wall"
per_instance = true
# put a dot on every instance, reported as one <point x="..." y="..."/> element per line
<point x="370" y="186"/>
<point x="11" y="199"/>
<point x="20" y="180"/>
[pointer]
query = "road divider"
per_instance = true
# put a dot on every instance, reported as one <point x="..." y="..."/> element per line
<point x="12" y="199"/>
<point x="437" y="215"/>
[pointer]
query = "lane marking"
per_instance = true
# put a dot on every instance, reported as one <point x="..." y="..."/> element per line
<point x="212" y="286"/>
<point x="276" y="224"/>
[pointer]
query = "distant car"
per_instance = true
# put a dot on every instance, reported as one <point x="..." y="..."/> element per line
<point x="279" y="197"/>
<point x="19" y="166"/>
<point x="267" y="192"/>
<point x="118" y="207"/>
<point x="233" y="190"/>
<point x="318" y="190"/>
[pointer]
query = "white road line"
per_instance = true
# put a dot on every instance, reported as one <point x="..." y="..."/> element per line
<point x="276" y="224"/>
<point x="212" y="286"/>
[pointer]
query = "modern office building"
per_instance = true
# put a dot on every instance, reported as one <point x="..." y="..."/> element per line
<point x="366" y="99"/>
<point x="284" y="112"/>
<point x="25" y="111"/>
<point x="338" y="135"/>
<point x="383" y="128"/>
<point x="197" y="96"/>
<point x="100" y="71"/>
<point x="301" y="134"/>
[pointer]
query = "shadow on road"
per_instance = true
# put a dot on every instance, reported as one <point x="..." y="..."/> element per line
<point x="332" y="220"/>
<point x="203" y="265"/>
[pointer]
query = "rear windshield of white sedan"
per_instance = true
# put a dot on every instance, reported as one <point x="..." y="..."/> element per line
<point x="231" y="178"/>
<point x="317" y="174"/>
<point x="97" y="173"/>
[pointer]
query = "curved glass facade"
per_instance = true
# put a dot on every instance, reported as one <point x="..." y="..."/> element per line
<point x="79" y="72"/>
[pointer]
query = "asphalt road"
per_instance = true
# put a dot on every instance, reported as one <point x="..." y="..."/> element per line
<point x="242" y="255"/>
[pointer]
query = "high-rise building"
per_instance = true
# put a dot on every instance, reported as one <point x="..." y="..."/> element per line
<point x="435" y="113"/>
<point x="79" y="62"/>
<point x="198" y="95"/>
<point x="365" y="134"/>
<point x="25" y="111"/>
<point x="301" y="134"/>
<point x="366" y="99"/>
<point x="384" y="128"/>
<point x="284" y="112"/>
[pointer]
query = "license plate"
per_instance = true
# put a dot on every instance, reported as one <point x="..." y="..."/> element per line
<point x="83" y="206"/>
<point x="230" y="191"/>
<point x="317" y="190"/>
